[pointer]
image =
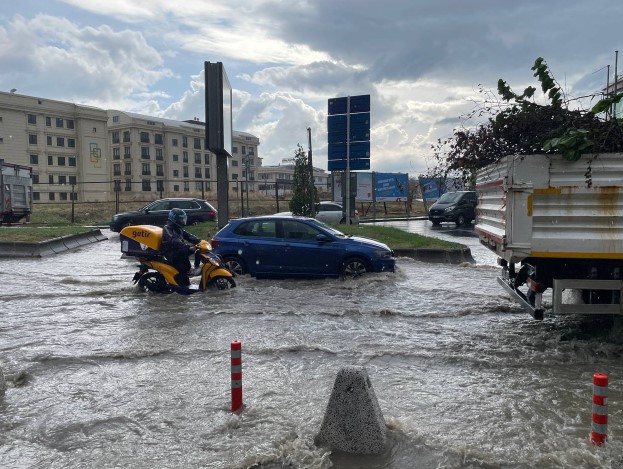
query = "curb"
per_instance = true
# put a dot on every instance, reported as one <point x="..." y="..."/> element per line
<point x="439" y="256"/>
<point x="15" y="249"/>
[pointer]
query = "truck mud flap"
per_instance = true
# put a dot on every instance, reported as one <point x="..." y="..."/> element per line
<point x="521" y="299"/>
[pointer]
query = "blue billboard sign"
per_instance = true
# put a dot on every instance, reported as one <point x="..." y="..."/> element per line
<point x="356" y="164"/>
<point x="348" y="133"/>
<point x="391" y="187"/>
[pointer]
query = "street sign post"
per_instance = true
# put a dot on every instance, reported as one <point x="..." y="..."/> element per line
<point x="348" y="130"/>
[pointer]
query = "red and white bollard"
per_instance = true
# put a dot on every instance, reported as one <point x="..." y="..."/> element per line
<point x="599" y="427"/>
<point x="236" y="376"/>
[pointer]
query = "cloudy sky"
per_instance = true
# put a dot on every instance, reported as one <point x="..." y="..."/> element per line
<point x="422" y="61"/>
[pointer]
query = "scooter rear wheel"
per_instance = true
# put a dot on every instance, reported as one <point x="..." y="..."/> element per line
<point x="221" y="283"/>
<point x="153" y="282"/>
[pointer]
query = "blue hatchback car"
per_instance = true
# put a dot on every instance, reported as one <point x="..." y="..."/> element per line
<point x="283" y="246"/>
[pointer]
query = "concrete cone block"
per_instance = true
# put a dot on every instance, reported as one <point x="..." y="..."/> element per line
<point x="353" y="421"/>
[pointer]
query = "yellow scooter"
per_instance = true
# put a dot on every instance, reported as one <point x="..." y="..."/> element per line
<point x="157" y="275"/>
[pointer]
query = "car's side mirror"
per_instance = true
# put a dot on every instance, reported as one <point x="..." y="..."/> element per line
<point x="322" y="238"/>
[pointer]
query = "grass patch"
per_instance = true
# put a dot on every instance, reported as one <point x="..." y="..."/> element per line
<point x="395" y="238"/>
<point x="31" y="234"/>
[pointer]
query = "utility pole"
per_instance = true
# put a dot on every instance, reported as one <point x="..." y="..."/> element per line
<point x="312" y="192"/>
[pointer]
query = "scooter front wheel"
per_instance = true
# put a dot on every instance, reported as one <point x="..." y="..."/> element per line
<point x="221" y="283"/>
<point x="153" y="282"/>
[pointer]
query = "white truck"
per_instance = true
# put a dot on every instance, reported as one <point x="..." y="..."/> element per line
<point x="15" y="192"/>
<point x="561" y="224"/>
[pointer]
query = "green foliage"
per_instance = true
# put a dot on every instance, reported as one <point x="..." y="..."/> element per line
<point x="301" y="195"/>
<point x="517" y="125"/>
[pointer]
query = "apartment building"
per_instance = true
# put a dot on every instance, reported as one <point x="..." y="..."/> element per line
<point x="64" y="143"/>
<point x="89" y="154"/>
<point x="280" y="178"/>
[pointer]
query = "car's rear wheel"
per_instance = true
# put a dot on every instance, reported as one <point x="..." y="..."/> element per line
<point x="460" y="220"/>
<point x="354" y="267"/>
<point x="235" y="265"/>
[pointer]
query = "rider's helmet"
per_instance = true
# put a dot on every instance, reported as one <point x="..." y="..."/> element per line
<point x="178" y="216"/>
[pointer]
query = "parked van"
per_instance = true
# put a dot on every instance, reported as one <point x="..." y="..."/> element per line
<point x="457" y="207"/>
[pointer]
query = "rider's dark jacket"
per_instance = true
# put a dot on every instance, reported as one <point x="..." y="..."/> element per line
<point x="175" y="249"/>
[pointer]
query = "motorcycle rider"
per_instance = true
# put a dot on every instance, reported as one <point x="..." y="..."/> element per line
<point x="175" y="250"/>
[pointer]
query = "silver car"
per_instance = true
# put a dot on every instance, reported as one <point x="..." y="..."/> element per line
<point x="328" y="212"/>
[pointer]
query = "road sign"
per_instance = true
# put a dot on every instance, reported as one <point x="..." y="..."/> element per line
<point x="357" y="150"/>
<point x="356" y="164"/>
<point x="357" y="104"/>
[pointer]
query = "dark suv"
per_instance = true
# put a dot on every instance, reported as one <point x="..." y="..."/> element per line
<point x="458" y="207"/>
<point x="156" y="213"/>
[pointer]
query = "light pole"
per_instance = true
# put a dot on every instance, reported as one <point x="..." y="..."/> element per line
<point x="247" y="164"/>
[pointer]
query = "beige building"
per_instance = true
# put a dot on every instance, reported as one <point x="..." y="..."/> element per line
<point x="280" y="178"/>
<point x="99" y="155"/>
<point x="64" y="143"/>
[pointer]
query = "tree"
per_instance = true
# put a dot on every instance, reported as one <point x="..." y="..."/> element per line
<point x="517" y="125"/>
<point x="303" y="190"/>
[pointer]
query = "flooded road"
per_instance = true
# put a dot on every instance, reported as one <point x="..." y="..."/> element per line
<point x="101" y="375"/>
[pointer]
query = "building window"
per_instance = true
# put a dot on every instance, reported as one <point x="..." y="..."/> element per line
<point x="198" y="173"/>
<point x="244" y="149"/>
<point x="128" y="185"/>
<point x="234" y="163"/>
<point x="144" y="137"/>
<point x="48" y="140"/>
<point x="51" y="196"/>
<point x="185" y="141"/>
<point x="126" y="136"/>
<point x="61" y="161"/>
<point x="115" y="137"/>
<point x="34" y="159"/>
<point x="36" y="196"/>
<point x="197" y="143"/>
<point x="207" y="158"/>
<point x="71" y="142"/>
<point x="146" y="185"/>
<point x="251" y="151"/>
<point x="185" y="157"/>
<point x="72" y="161"/>
<point x="62" y="179"/>
<point x="62" y="195"/>
<point x="32" y="119"/>
<point x="32" y="139"/>
<point x="176" y="188"/>
<point x="146" y="169"/>
<point x="72" y="180"/>
<point x="160" y="185"/>
<point x="234" y="150"/>
<point x="159" y="154"/>
<point x="159" y="170"/>
<point x="70" y="123"/>
<point x="174" y="142"/>
<point x="176" y="158"/>
<point x="126" y="152"/>
<point x="186" y="186"/>
<point x="145" y="153"/>
<point x="207" y="173"/>
<point x="50" y="160"/>
<point x="60" y="141"/>
<point x="48" y="122"/>
<point x="51" y="178"/>
<point x="176" y="173"/>
<point x="59" y="122"/>
<point x="127" y="169"/>
<point x="185" y="169"/>
<point x="116" y="153"/>
<point x="197" y="158"/>
<point x="35" y="179"/>
<point x="198" y="185"/>
<point x="116" y="169"/>
<point x="115" y="119"/>
<point x="158" y="139"/>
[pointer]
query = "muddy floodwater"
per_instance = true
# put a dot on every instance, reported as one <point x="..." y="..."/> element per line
<point x="100" y="375"/>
